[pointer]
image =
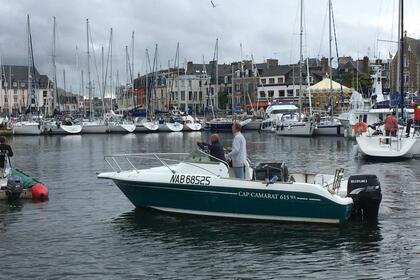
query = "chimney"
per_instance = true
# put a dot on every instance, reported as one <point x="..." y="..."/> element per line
<point x="189" y="67"/>
<point x="324" y="64"/>
<point x="271" y="62"/>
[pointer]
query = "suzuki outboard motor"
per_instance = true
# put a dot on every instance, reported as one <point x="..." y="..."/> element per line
<point x="14" y="188"/>
<point x="365" y="190"/>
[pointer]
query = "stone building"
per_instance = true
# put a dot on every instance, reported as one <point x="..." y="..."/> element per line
<point x="411" y="67"/>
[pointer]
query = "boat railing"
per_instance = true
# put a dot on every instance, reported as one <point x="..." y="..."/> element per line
<point x="126" y="162"/>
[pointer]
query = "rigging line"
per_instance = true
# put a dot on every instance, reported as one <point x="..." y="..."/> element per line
<point x="94" y="58"/>
<point x="323" y="32"/>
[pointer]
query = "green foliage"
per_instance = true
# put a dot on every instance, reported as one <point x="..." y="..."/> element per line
<point x="223" y="99"/>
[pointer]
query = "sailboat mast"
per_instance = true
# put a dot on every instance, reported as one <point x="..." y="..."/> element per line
<point x="132" y="71"/>
<point x="178" y="85"/>
<point x="110" y="70"/>
<point x="401" y="57"/>
<point x="329" y="54"/>
<point x="88" y="72"/>
<point x="217" y="70"/>
<point x="300" y="58"/>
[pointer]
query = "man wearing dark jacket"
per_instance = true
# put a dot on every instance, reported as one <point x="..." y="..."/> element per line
<point x="5" y="150"/>
<point x="215" y="148"/>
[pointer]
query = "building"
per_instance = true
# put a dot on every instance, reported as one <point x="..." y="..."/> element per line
<point x="14" y="94"/>
<point x="411" y="67"/>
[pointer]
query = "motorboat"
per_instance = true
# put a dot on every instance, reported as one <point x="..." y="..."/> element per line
<point x="252" y="123"/>
<point x="68" y="126"/>
<point x="219" y="124"/>
<point x="273" y="114"/>
<point x="199" y="184"/>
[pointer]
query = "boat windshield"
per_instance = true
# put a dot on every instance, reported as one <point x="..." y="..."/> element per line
<point x="200" y="156"/>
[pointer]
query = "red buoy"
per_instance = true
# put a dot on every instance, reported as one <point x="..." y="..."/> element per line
<point x="39" y="192"/>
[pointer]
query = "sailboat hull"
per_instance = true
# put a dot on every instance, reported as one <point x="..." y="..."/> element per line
<point x="121" y="128"/>
<point x="191" y="127"/>
<point x="147" y="127"/>
<point x="94" y="128"/>
<point x="295" y="129"/>
<point x="253" y="125"/>
<point x="329" y="130"/>
<point x="170" y="127"/>
<point x="28" y="128"/>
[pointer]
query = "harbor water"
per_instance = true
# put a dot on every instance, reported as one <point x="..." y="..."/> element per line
<point x="89" y="230"/>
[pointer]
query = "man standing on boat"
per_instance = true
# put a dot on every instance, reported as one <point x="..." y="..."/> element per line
<point x="238" y="153"/>
<point x="391" y="125"/>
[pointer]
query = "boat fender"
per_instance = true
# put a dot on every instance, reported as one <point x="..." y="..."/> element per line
<point x="14" y="188"/>
<point x="359" y="127"/>
<point x="39" y="192"/>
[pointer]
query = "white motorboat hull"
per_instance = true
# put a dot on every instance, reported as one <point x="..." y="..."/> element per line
<point x="295" y="129"/>
<point x="147" y="127"/>
<point x="376" y="147"/>
<point x="192" y="127"/>
<point x="27" y="129"/>
<point x="170" y="127"/>
<point x="121" y="128"/>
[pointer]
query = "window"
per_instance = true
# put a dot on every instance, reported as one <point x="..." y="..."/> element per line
<point x="14" y="84"/>
<point x="297" y="92"/>
<point x="189" y="83"/>
<point x="190" y="95"/>
<point x="280" y="80"/>
<point x="281" y="93"/>
<point x="262" y="94"/>
<point x="200" y="95"/>
<point x="263" y="81"/>
<point x="271" y="93"/>
<point x="290" y="93"/>
<point x="271" y="81"/>
<point x="182" y="95"/>
<point x="22" y="84"/>
<point x="182" y="83"/>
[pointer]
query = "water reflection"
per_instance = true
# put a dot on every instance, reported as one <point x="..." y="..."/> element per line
<point x="265" y="237"/>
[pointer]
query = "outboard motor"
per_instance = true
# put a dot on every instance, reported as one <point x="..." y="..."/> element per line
<point x="365" y="190"/>
<point x="14" y="188"/>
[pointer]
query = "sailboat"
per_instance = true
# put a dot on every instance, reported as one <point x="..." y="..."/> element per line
<point x="294" y="123"/>
<point x="65" y="124"/>
<point x="116" y="122"/>
<point x="329" y="125"/>
<point x="403" y="144"/>
<point x="31" y="123"/>
<point x="92" y="126"/>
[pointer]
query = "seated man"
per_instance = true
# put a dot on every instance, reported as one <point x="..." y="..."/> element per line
<point x="215" y="148"/>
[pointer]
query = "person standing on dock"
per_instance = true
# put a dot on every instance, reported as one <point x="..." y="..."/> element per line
<point x="238" y="154"/>
<point x="391" y="125"/>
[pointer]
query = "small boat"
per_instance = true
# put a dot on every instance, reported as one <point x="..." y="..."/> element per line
<point x="15" y="185"/>
<point x="27" y="128"/>
<point x="62" y="127"/>
<point x="190" y="124"/>
<point x="219" y="124"/>
<point x="94" y="127"/>
<point x="203" y="185"/>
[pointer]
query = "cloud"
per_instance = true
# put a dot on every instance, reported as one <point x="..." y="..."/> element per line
<point x="266" y="28"/>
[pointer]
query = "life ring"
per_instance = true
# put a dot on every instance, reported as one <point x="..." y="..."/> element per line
<point x="359" y="127"/>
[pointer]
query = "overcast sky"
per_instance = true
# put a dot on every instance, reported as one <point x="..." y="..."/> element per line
<point x="266" y="28"/>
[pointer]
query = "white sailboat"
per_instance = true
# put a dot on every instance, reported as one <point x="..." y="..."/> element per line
<point x="29" y="124"/>
<point x="92" y="126"/>
<point x="295" y="123"/>
<point x="401" y="145"/>
<point x="190" y="124"/>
